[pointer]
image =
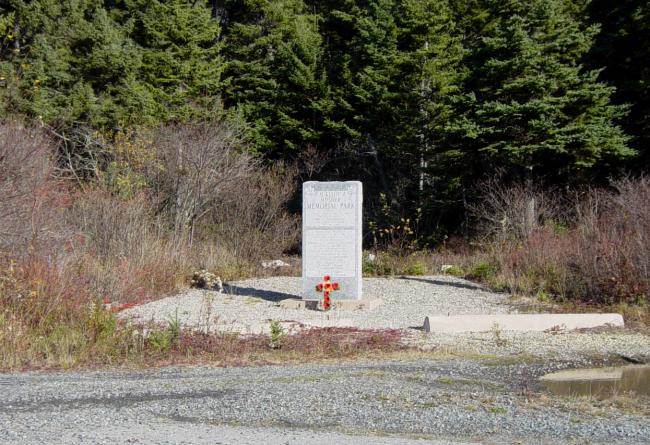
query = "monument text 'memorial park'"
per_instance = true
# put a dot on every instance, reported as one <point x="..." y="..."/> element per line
<point x="331" y="239"/>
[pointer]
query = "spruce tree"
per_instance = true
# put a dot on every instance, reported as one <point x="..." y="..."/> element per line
<point x="179" y="77"/>
<point x="393" y="67"/>
<point x="530" y="106"/>
<point x="622" y="46"/>
<point x="361" y="42"/>
<point x="426" y="78"/>
<point x="61" y="60"/>
<point x="272" y="77"/>
<point x="90" y="63"/>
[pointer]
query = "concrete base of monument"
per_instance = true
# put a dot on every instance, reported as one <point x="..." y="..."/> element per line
<point x="345" y="305"/>
<point x="519" y="322"/>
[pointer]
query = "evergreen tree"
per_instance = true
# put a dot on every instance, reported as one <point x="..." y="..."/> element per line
<point x="179" y="77"/>
<point x="273" y="49"/>
<point x="50" y="48"/>
<point x="426" y="78"/>
<point x="529" y="105"/>
<point x="361" y="42"/>
<point x="393" y="67"/>
<point x="78" y="62"/>
<point x="623" y="47"/>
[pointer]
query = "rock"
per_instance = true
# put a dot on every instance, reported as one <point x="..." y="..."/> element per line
<point x="346" y="305"/>
<point x="203" y="279"/>
<point x="274" y="264"/>
<point x="446" y="268"/>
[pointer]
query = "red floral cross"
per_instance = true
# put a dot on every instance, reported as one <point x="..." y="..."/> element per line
<point x="326" y="286"/>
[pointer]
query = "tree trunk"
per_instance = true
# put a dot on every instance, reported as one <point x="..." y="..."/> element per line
<point x="530" y="216"/>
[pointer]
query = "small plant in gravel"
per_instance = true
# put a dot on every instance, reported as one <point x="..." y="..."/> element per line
<point x="277" y="334"/>
<point x="497" y="334"/>
<point x="498" y="410"/>
<point x="163" y="340"/>
<point x="174" y="326"/>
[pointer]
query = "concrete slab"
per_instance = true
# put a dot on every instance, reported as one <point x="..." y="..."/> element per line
<point x="346" y="305"/>
<point x="519" y="322"/>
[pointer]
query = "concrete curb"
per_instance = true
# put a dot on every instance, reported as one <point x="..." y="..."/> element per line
<point x="519" y="322"/>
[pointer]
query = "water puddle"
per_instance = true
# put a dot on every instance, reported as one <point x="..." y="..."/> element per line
<point x="600" y="382"/>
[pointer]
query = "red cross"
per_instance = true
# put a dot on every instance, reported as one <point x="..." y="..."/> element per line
<point x="326" y="286"/>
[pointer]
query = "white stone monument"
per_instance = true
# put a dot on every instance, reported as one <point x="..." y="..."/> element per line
<point x="331" y="238"/>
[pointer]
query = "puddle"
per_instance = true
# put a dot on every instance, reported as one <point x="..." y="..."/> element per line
<point x="600" y="382"/>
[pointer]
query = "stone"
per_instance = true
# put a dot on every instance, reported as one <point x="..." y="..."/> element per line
<point x="331" y="238"/>
<point x="202" y="279"/>
<point x="367" y="304"/>
<point x="274" y="264"/>
<point x="519" y="322"/>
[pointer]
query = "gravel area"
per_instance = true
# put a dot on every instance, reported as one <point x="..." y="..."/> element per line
<point x="557" y="345"/>
<point x="463" y="388"/>
<point x="426" y="402"/>
<point x="249" y="306"/>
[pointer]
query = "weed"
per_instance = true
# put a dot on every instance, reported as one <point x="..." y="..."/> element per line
<point x="497" y="334"/>
<point x="454" y="271"/>
<point x="543" y="297"/>
<point x="277" y="334"/>
<point x="383" y="398"/>
<point x="483" y="271"/>
<point x="417" y="269"/>
<point x="445" y="380"/>
<point x="174" y="326"/>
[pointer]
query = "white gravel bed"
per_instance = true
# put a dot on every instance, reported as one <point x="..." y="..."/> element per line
<point x="249" y="306"/>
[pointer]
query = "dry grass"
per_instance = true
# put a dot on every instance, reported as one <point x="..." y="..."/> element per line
<point x="65" y="252"/>
<point x="599" y="254"/>
<point x="584" y="252"/>
<point x="158" y="211"/>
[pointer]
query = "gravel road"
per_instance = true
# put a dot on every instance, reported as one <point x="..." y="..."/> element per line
<point x="426" y="402"/>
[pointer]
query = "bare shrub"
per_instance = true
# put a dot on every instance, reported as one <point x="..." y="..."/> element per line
<point x="125" y="254"/>
<point x="213" y="190"/>
<point x="113" y="226"/>
<point x="200" y="163"/>
<point x="253" y="221"/>
<point x="613" y="237"/>
<point x="538" y="263"/>
<point x="515" y="210"/>
<point x="119" y="245"/>
<point x="28" y="191"/>
<point x="601" y="256"/>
